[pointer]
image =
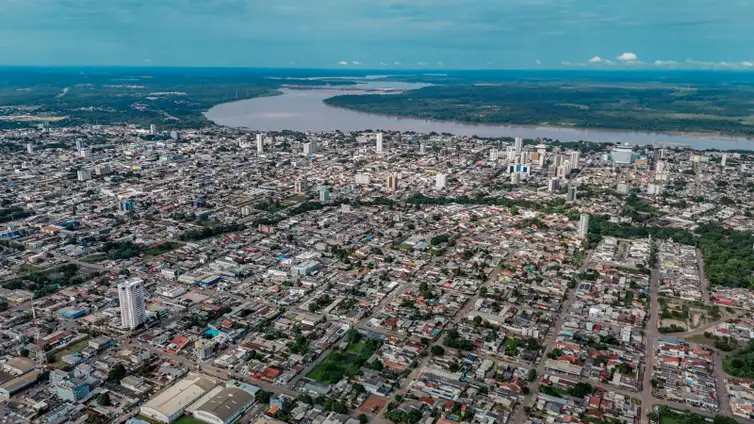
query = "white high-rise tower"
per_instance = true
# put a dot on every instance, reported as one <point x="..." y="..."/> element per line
<point x="379" y="142"/>
<point x="584" y="225"/>
<point x="441" y="181"/>
<point x="260" y="144"/>
<point x="132" y="309"/>
<point x="518" y="146"/>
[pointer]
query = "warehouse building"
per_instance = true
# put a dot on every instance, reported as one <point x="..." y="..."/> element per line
<point x="170" y="404"/>
<point x="225" y="407"/>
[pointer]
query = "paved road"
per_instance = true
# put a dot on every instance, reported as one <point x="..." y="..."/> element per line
<point x="703" y="278"/>
<point x="650" y="336"/>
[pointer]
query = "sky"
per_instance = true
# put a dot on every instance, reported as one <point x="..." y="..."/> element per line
<point x="381" y="34"/>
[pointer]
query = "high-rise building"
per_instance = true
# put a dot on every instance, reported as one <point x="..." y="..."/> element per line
<point x="553" y="185"/>
<point x="571" y="196"/>
<point x="584" y="225"/>
<point x="523" y="157"/>
<point x="541" y="158"/>
<point x="85" y="152"/>
<point x="379" y="143"/>
<point x="654" y="189"/>
<point x="392" y="182"/>
<point x="83" y="175"/>
<point x="132" y="309"/>
<point x="260" y="144"/>
<point x="493" y="154"/>
<point x="510" y="154"/>
<point x="363" y="179"/>
<point x="174" y="135"/>
<point x="422" y="149"/>
<point x="310" y="148"/>
<point x="80" y="144"/>
<point x="30" y="149"/>
<point x="622" y="188"/>
<point x="518" y="145"/>
<point x="724" y="159"/>
<point x="441" y="181"/>
<point x="299" y="186"/>
<point x="574" y="158"/>
<point x="324" y="194"/>
<point x="153" y="129"/>
<point x="101" y="170"/>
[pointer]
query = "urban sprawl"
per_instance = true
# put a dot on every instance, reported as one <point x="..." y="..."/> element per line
<point x="220" y="276"/>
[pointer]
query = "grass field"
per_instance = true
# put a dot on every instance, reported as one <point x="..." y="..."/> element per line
<point x="669" y="420"/>
<point x="76" y="347"/>
<point x="187" y="420"/>
<point x="343" y="363"/>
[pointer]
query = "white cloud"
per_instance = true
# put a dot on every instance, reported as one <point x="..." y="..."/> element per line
<point x="421" y="63"/>
<point x="747" y="64"/>
<point x="538" y="62"/>
<point x="628" y="57"/>
<point x="608" y="62"/>
<point x="356" y="62"/>
<point x="397" y="63"/>
<point x="343" y="62"/>
<point x="441" y="63"/>
<point x="665" y="62"/>
<point x="383" y="63"/>
<point x="566" y="63"/>
<point x="595" y="59"/>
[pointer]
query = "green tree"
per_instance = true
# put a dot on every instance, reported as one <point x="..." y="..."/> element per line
<point x="363" y="419"/>
<point x="438" y="350"/>
<point x="116" y="373"/>
<point x="103" y="399"/>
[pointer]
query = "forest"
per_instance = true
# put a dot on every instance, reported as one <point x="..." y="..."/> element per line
<point x="698" y="107"/>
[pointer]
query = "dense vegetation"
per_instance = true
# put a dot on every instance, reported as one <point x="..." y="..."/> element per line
<point x="13" y="213"/>
<point x="348" y="362"/>
<point x="667" y="415"/>
<point x="125" y="250"/>
<point x="700" y="106"/>
<point x="741" y="364"/>
<point x="207" y="232"/>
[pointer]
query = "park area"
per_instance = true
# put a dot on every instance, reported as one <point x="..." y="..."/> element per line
<point x="345" y="363"/>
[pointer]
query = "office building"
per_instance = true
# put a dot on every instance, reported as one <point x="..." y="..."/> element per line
<point x="422" y="149"/>
<point x="523" y="157"/>
<point x="30" y="149"/>
<point x="260" y="144"/>
<point x="494" y="154"/>
<point x="510" y="154"/>
<point x="80" y="144"/>
<point x="571" y="196"/>
<point x="324" y="195"/>
<point x="441" y="180"/>
<point x="174" y="135"/>
<point x="379" y="143"/>
<point x="654" y="189"/>
<point x="101" y="170"/>
<point x="363" y="179"/>
<point x="153" y="129"/>
<point x="392" y="182"/>
<point x="127" y="206"/>
<point x="83" y="175"/>
<point x="584" y="225"/>
<point x="299" y="186"/>
<point x="518" y="145"/>
<point x="541" y="158"/>
<point x="723" y="160"/>
<point x="85" y="153"/>
<point x="132" y="309"/>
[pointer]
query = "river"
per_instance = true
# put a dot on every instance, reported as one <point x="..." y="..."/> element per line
<point x="304" y="110"/>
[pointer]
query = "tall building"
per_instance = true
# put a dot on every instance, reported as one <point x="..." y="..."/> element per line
<point x="83" y="175"/>
<point x="132" y="309"/>
<point x="494" y="154"/>
<point x="422" y="149"/>
<point x="553" y="185"/>
<point x="571" y="196"/>
<point x="723" y="161"/>
<point x="392" y="182"/>
<point x="574" y="159"/>
<point x="441" y="180"/>
<point x="153" y="129"/>
<point x="584" y="225"/>
<point x="363" y="179"/>
<point x="310" y="148"/>
<point x="30" y="149"/>
<point x="324" y="194"/>
<point x="85" y="152"/>
<point x="299" y="186"/>
<point x="260" y="143"/>
<point x="379" y="143"/>
<point x="518" y="145"/>
<point x="80" y="144"/>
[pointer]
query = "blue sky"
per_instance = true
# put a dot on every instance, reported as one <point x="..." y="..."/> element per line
<point x="403" y="34"/>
